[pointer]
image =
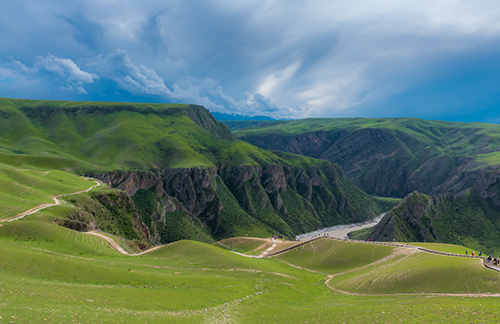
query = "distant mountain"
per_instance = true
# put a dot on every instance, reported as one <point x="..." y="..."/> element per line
<point x="449" y="172"/>
<point x="234" y="117"/>
<point x="389" y="157"/>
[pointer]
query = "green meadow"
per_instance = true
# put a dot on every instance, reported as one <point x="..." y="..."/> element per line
<point x="52" y="274"/>
<point x="241" y="244"/>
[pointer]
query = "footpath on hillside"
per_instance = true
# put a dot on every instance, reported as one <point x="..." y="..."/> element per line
<point x="57" y="202"/>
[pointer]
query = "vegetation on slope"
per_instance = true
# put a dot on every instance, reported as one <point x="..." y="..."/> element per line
<point x="52" y="274"/>
<point x="420" y="272"/>
<point x="334" y="256"/>
<point x="24" y="189"/>
<point x="388" y="157"/>
<point x="467" y="220"/>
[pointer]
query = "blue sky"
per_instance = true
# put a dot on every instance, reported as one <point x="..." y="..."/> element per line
<point x="291" y="59"/>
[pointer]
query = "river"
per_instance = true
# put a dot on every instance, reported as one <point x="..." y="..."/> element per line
<point x="339" y="231"/>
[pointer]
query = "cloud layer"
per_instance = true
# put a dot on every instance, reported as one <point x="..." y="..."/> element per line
<point x="428" y="59"/>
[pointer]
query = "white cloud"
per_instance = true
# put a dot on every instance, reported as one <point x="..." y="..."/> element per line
<point x="65" y="68"/>
<point x="278" y="80"/>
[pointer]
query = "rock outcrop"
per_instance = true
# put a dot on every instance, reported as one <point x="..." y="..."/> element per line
<point x="266" y="193"/>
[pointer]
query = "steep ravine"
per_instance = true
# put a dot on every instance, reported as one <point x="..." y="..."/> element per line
<point x="226" y="201"/>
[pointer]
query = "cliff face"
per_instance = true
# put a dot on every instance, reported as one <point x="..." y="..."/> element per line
<point x="391" y="162"/>
<point x="275" y="198"/>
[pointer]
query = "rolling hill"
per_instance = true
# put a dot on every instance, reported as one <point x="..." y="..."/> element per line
<point x="53" y="274"/>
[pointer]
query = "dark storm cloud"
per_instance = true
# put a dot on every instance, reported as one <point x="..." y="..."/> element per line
<point x="430" y="59"/>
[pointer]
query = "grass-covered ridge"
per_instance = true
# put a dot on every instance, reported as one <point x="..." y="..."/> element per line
<point x="387" y="156"/>
<point x="467" y="220"/>
<point x="334" y="256"/>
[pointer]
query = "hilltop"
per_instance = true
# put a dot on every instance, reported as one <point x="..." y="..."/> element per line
<point x="182" y="173"/>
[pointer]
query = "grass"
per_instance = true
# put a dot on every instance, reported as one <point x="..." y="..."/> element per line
<point x="49" y="237"/>
<point x="334" y="256"/>
<point x="23" y="189"/>
<point x="42" y="280"/>
<point x="97" y="138"/>
<point x="421" y="273"/>
<point x="112" y="136"/>
<point x="242" y="244"/>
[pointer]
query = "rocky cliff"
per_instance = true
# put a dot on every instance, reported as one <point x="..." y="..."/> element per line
<point x="284" y="199"/>
<point x="387" y="157"/>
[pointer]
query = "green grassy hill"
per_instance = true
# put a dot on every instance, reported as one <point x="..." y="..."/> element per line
<point x="56" y="275"/>
<point x="334" y="256"/>
<point x="187" y="175"/>
<point x="420" y="272"/>
<point x="363" y="268"/>
<point x="388" y="157"/>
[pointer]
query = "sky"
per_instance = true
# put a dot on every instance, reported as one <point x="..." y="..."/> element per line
<point x="434" y="59"/>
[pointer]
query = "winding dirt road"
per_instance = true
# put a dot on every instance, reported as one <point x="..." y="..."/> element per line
<point x="57" y="202"/>
<point x="118" y="247"/>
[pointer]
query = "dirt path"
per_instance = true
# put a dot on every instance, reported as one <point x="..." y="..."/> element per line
<point x="118" y="247"/>
<point x="57" y="202"/>
<point x="261" y="255"/>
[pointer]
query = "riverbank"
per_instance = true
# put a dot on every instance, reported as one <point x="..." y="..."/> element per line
<point x="339" y="231"/>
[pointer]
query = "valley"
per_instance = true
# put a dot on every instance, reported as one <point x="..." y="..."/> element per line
<point x="131" y="213"/>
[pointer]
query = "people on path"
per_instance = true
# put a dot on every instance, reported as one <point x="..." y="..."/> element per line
<point x="466" y="252"/>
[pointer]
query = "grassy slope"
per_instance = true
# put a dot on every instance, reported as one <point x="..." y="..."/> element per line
<point x="23" y="189"/>
<point x="421" y="272"/>
<point x="334" y="256"/>
<point x="114" y="136"/>
<point x="464" y="220"/>
<point x="242" y="244"/>
<point x="438" y="137"/>
<point x="426" y="131"/>
<point x="72" y="278"/>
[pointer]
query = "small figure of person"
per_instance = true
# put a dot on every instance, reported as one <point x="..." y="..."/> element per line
<point x="466" y="252"/>
<point x="472" y="253"/>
